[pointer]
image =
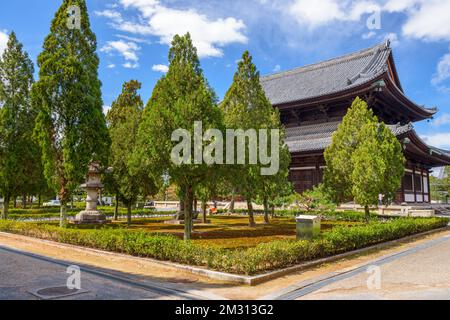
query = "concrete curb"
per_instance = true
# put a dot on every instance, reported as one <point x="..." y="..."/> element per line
<point x="228" y="277"/>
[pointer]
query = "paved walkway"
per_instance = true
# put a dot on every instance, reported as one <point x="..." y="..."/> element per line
<point x="23" y="275"/>
<point x="418" y="269"/>
<point x="420" y="272"/>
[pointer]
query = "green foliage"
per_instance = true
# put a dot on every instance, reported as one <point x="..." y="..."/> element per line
<point x="262" y="258"/>
<point x="338" y="173"/>
<point x="440" y="187"/>
<point x="20" y="172"/>
<point x="364" y="160"/>
<point x="70" y="126"/>
<point x="179" y="99"/>
<point x="246" y="107"/>
<point x="378" y="165"/>
<point x="123" y="120"/>
<point x="314" y="200"/>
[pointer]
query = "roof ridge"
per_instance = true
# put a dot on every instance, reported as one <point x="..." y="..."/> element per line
<point x="329" y="62"/>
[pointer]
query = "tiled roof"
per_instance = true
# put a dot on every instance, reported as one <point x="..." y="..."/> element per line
<point x="327" y="77"/>
<point x="318" y="137"/>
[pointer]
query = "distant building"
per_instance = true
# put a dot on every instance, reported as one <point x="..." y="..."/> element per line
<point x="313" y="100"/>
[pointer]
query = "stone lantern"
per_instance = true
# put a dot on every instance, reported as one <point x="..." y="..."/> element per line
<point x="92" y="186"/>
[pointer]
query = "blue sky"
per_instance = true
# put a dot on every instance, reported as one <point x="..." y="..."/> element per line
<point x="133" y="37"/>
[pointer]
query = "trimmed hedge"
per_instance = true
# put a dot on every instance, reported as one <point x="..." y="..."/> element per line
<point x="264" y="257"/>
<point x="51" y="213"/>
<point x="329" y="215"/>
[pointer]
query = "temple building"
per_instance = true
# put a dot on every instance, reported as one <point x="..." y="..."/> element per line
<point x="313" y="100"/>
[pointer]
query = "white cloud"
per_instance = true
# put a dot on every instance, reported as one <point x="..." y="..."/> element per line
<point x="160" y="68"/>
<point x="111" y="14"/>
<point x="3" y="40"/>
<point x="111" y="66"/>
<point x="129" y="65"/>
<point x="321" y="12"/>
<point x="210" y="36"/>
<point x="443" y="70"/>
<point x="277" y="68"/>
<point x="106" y="109"/>
<point x="369" y="35"/>
<point x="128" y="50"/>
<point x="425" y="19"/>
<point x="444" y="119"/>
<point x="315" y="13"/>
<point x="428" y="20"/>
<point x="439" y="140"/>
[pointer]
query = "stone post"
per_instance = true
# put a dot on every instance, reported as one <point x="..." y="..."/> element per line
<point x="92" y="186"/>
<point x="308" y="227"/>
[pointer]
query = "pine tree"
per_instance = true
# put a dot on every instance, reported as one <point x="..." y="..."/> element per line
<point x="378" y="166"/>
<point x="123" y="120"/>
<point x="17" y="150"/>
<point x="364" y="160"/>
<point x="337" y="175"/>
<point x="247" y="107"/>
<point x="70" y="126"/>
<point x="179" y="99"/>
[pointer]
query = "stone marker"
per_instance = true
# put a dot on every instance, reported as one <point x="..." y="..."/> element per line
<point x="93" y="185"/>
<point x="307" y="227"/>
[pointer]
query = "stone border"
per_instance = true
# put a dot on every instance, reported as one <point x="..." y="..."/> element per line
<point x="229" y="277"/>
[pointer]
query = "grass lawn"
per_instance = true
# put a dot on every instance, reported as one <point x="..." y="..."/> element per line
<point x="231" y="232"/>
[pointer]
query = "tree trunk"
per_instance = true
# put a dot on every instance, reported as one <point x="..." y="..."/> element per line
<point x="204" y="205"/>
<point x="15" y="202"/>
<point x="189" y="198"/>
<point x="266" y="211"/>
<point x="116" y="209"/>
<point x="251" y="216"/>
<point x="233" y="202"/>
<point x="39" y="201"/>
<point x="181" y="211"/>
<point x="195" y="206"/>
<point x="367" y="211"/>
<point x="63" y="215"/>
<point x="129" y="214"/>
<point x="24" y="201"/>
<point x="64" y="197"/>
<point x="5" y="208"/>
<point x="273" y="211"/>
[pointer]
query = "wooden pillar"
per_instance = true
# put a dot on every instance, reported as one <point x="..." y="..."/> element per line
<point x="317" y="172"/>
<point x="403" y="198"/>
<point x="429" y="185"/>
<point x="423" y="185"/>
<point x="414" y="184"/>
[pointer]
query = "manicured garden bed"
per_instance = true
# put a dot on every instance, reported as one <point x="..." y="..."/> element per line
<point x="53" y="213"/>
<point x="249" y="261"/>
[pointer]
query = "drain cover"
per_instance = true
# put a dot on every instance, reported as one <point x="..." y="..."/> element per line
<point x="56" y="293"/>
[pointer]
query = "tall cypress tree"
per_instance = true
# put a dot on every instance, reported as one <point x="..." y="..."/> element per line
<point x="337" y="175"/>
<point x="16" y="120"/>
<point x="364" y="160"/>
<point x="123" y="122"/>
<point x="70" y="126"/>
<point x="179" y="99"/>
<point x="247" y="107"/>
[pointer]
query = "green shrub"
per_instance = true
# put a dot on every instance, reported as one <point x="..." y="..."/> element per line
<point x="264" y="257"/>
<point x="50" y="213"/>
